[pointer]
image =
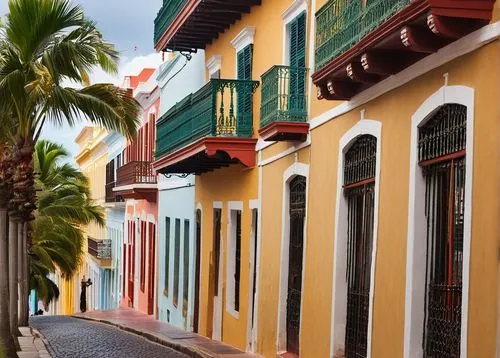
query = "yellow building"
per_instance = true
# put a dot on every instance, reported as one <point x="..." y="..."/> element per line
<point x="92" y="159"/>
<point x="347" y="161"/>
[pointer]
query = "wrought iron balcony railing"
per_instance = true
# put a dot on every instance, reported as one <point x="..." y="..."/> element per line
<point x="340" y="24"/>
<point x="135" y="173"/>
<point x="169" y="10"/>
<point x="100" y="249"/>
<point x="221" y="108"/>
<point x="284" y="95"/>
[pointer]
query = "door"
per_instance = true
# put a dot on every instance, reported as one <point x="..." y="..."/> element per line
<point x="217" y="277"/>
<point x="359" y="192"/>
<point x="196" y="313"/>
<point x="253" y="282"/>
<point x="442" y="153"/>
<point x="131" y="262"/>
<point x="151" y="267"/>
<point x="295" y="261"/>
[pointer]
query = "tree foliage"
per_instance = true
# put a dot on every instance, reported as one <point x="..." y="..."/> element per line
<point x="64" y="208"/>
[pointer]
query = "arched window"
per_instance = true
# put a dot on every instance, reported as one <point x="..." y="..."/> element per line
<point x="359" y="191"/>
<point x="441" y="154"/>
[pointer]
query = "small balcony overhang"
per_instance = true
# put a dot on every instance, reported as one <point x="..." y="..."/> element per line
<point x="208" y="154"/>
<point x="100" y="251"/>
<point x="189" y="25"/>
<point x="136" y="180"/>
<point x="208" y="129"/>
<point x="359" y="45"/>
<point x="283" y="110"/>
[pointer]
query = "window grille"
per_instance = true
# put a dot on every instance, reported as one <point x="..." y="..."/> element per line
<point x="295" y="261"/>
<point x="359" y="191"/>
<point x="442" y="141"/>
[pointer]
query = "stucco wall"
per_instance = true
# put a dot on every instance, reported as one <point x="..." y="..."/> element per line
<point x="234" y="183"/>
<point x="394" y="111"/>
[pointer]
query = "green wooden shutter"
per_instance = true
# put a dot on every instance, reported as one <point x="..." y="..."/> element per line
<point x="297" y="61"/>
<point x="244" y="105"/>
<point x="245" y="63"/>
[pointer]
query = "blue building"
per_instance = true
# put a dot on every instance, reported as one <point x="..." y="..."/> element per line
<point x="177" y="289"/>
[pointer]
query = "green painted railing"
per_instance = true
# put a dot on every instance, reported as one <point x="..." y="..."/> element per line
<point x="214" y="110"/>
<point x="340" y="24"/>
<point x="169" y="10"/>
<point x="284" y="95"/>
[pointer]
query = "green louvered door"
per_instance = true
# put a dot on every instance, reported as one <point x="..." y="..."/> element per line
<point x="244" y="100"/>
<point x="297" y="53"/>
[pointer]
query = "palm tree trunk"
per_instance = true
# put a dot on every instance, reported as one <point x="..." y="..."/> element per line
<point x="6" y="339"/>
<point x="13" y="277"/>
<point x="21" y="253"/>
<point x="24" y="311"/>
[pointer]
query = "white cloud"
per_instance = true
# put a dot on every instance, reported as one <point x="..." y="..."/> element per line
<point x="65" y="134"/>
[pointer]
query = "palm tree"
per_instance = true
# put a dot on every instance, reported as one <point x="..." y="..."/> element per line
<point x="44" y="45"/>
<point x="64" y="207"/>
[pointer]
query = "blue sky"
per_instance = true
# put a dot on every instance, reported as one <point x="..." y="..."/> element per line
<point x="129" y="25"/>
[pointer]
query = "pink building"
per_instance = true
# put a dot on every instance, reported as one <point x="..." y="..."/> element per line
<point x="137" y="185"/>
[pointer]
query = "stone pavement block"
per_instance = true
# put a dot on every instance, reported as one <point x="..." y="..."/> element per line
<point x="25" y="331"/>
<point x="28" y="354"/>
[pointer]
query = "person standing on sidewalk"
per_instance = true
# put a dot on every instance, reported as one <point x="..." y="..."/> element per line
<point x="83" y="294"/>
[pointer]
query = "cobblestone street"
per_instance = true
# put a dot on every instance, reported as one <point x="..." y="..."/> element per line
<point x="71" y="337"/>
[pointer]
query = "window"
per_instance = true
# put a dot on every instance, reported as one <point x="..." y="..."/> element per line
<point x="177" y="260"/>
<point x="234" y="261"/>
<point x="185" y="273"/>
<point x="167" y="256"/>
<point x="359" y="192"/>
<point x="110" y="172"/>
<point x="441" y="153"/>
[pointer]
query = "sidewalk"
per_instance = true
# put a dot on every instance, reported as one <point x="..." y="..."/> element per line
<point x="189" y="343"/>
<point x="32" y="345"/>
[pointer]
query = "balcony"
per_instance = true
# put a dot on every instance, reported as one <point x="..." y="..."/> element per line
<point x="208" y="129"/>
<point x="111" y="196"/>
<point x="360" y="43"/>
<point x="283" y="111"/>
<point x="136" y="180"/>
<point x="100" y="250"/>
<point x="188" y="25"/>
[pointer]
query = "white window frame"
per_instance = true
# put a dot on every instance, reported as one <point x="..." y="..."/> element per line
<point x="339" y="287"/>
<point x="232" y="208"/>
<point x="415" y="255"/>
<point x="290" y="173"/>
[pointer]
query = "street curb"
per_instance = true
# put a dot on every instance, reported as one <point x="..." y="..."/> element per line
<point x="46" y="343"/>
<point x="190" y="351"/>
